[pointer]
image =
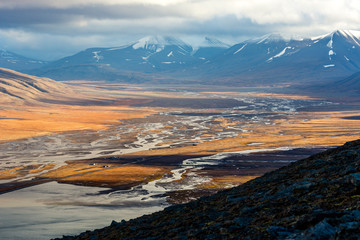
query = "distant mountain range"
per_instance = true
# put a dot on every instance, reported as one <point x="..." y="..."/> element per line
<point x="17" y="62"/>
<point x="269" y="60"/>
<point x="150" y="55"/>
<point x="273" y="59"/>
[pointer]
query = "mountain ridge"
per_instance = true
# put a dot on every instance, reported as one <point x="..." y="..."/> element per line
<point x="149" y="55"/>
<point x="271" y="60"/>
<point x="276" y="60"/>
<point x="17" y="62"/>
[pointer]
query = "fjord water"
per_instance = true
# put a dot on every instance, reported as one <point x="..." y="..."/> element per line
<point x="51" y="210"/>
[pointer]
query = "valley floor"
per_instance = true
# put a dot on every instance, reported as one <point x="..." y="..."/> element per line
<point x="165" y="145"/>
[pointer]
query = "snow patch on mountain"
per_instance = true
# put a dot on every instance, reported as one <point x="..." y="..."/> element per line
<point x="97" y="56"/>
<point x="330" y="43"/>
<point x="282" y="52"/>
<point x="118" y="48"/>
<point x="279" y="54"/>
<point x="240" y="49"/>
<point x="331" y="53"/>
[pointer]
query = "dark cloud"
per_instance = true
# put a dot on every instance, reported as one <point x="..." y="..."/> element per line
<point x="226" y="26"/>
<point x="51" y="29"/>
<point x="31" y="17"/>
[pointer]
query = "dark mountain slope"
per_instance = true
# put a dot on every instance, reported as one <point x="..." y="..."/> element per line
<point x="314" y="198"/>
<point x="349" y="87"/>
<point x="351" y="83"/>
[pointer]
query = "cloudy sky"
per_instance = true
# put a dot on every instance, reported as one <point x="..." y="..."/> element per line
<point x="50" y="29"/>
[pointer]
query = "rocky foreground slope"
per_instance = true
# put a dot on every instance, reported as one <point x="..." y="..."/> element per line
<point x="314" y="198"/>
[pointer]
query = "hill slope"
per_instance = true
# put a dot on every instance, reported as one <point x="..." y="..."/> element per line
<point x="19" y="88"/>
<point x="314" y="198"/>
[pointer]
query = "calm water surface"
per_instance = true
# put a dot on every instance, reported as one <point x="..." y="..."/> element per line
<point x="51" y="210"/>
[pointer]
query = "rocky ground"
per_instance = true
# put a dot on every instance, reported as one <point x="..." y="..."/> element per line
<point x="314" y="198"/>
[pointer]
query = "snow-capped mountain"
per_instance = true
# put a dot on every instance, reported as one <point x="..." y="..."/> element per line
<point x="273" y="58"/>
<point x="338" y="50"/>
<point x="18" y="62"/>
<point x="269" y="60"/>
<point x="209" y="48"/>
<point x="162" y="53"/>
<point x="149" y="55"/>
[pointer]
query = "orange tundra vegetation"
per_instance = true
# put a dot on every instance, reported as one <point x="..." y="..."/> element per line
<point x="106" y="175"/>
<point x="40" y="121"/>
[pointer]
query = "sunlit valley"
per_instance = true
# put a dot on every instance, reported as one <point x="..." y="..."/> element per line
<point x="116" y="133"/>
